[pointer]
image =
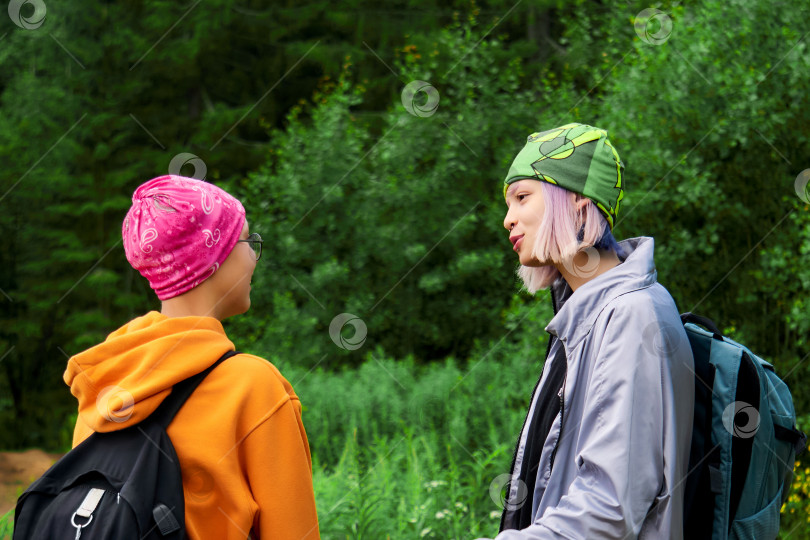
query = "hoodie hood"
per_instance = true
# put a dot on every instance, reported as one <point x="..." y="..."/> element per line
<point x="122" y="380"/>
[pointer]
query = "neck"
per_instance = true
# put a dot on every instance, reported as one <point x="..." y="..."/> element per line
<point x="587" y="265"/>
<point x="194" y="303"/>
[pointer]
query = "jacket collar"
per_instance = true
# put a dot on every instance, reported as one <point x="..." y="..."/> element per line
<point x="576" y="311"/>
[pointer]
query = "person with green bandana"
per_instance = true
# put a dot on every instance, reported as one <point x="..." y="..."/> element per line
<point x="604" y="449"/>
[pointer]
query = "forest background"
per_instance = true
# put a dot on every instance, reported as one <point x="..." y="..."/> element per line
<point x="369" y="142"/>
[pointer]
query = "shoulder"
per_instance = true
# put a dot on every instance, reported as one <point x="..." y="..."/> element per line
<point x="642" y="323"/>
<point x="250" y="363"/>
<point x="645" y="305"/>
<point x="244" y="392"/>
<point x="253" y="377"/>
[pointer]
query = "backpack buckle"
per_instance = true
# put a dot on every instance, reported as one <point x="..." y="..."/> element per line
<point x="86" y="509"/>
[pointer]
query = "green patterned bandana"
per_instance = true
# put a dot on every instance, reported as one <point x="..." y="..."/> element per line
<point x="576" y="157"/>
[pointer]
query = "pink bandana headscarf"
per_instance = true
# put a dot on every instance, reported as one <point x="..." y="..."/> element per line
<point x="179" y="230"/>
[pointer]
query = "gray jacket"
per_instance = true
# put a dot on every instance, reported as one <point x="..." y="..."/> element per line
<point x="622" y="457"/>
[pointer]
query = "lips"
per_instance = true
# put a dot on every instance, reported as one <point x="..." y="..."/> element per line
<point x="516" y="241"/>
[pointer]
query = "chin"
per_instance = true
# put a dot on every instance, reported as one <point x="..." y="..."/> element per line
<point x="242" y="308"/>
<point x="533" y="262"/>
<point x="238" y="309"/>
<point x="529" y="260"/>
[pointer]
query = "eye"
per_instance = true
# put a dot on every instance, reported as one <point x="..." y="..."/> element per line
<point x="520" y="197"/>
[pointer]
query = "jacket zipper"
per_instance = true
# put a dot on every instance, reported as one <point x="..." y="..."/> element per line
<point x="561" y="395"/>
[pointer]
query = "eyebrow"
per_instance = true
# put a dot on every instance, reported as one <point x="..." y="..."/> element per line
<point x="512" y="189"/>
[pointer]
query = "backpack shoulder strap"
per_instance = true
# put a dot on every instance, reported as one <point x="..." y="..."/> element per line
<point x="180" y="393"/>
<point x="705" y="322"/>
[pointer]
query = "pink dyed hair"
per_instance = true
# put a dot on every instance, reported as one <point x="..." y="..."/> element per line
<point x="556" y="241"/>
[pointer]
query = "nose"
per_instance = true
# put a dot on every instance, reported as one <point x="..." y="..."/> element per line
<point x="509" y="221"/>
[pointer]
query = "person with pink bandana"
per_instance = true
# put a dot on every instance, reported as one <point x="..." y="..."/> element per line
<point x="240" y="440"/>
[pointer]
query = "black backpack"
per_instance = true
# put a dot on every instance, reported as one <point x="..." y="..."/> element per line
<point x="117" y="485"/>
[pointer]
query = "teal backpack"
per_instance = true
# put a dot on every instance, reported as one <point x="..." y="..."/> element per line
<point x="744" y="440"/>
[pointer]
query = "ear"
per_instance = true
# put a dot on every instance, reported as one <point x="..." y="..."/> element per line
<point x="580" y="202"/>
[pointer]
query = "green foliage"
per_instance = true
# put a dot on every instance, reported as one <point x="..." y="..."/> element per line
<point x="796" y="510"/>
<point x="399" y="224"/>
<point x="7" y="525"/>
<point x="712" y="153"/>
<point x="396" y="218"/>
<point x="403" y="451"/>
<point x="90" y="113"/>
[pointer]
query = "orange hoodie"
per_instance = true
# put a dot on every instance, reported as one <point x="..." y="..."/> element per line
<point x="241" y="444"/>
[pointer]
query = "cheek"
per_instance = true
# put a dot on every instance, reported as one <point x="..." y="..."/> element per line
<point x="534" y="213"/>
<point x="525" y="216"/>
<point x="250" y="268"/>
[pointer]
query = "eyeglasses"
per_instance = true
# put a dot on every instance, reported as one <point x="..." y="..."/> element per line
<point x="255" y="241"/>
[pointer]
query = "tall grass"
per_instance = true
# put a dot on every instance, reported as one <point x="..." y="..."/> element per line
<point x="406" y="452"/>
<point x="7" y="525"/>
